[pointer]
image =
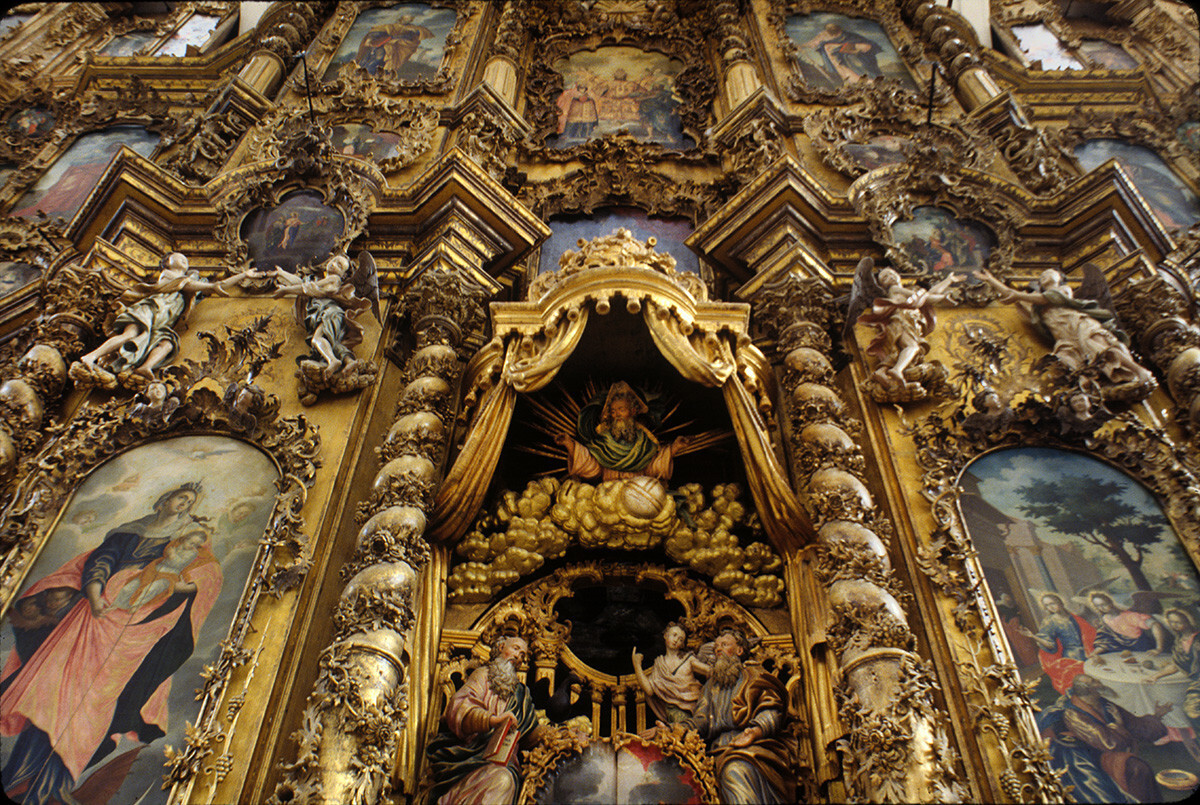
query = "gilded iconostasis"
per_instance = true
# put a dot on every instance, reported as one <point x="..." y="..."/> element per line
<point x="615" y="401"/>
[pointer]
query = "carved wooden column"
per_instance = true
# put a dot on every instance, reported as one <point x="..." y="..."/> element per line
<point x="508" y="50"/>
<point x="75" y="302"/>
<point x="741" y="79"/>
<point x="359" y="705"/>
<point x="954" y="40"/>
<point x="895" y="748"/>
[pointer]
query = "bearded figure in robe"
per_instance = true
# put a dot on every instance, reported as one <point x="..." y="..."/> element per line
<point x="475" y="757"/>
<point x="615" y="444"/>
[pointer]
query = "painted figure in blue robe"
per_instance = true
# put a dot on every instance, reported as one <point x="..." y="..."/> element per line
<point x="1093" y="739"/>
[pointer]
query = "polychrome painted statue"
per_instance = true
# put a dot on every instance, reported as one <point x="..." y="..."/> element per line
<point x="610" y="443"/>
<point x="740" y="715"/>
<point x="143" y="333"/>
<point x="671" y="687"/>
<point x="475" y="757"/>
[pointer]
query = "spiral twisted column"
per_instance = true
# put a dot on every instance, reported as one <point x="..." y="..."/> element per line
<point x="895" y="746"/>
<point x="359" y="705"/>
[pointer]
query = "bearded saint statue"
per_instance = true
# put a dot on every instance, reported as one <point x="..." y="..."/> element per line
<point x="610" y="443"/>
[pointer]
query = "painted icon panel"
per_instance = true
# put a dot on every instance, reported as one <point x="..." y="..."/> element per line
<point x="195" y="32"/>
<point x="128" y="45"/>
<point x="1172" y="201"/>
<point x="34" y="122"/>
<point x="1107" y="55"/>
<point x="64" y="187"/>
<point x="300" y="231"/>
<point x="1039" y="44"/>
<point x="128" y="601"/>
<point x="613" y="89"/>
<point x="15" y="275"/>
<point x="1100" y="606"/>
<point x="406" y="41"/>
<point x="357" y="140"/>
<point x="836" y="50"/>
<point x="941" y="243"/>
<point x="567" y="231"/>
<point x="879" y="151"/>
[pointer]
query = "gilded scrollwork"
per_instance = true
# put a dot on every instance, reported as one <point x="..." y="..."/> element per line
<point x="897" y="133"/>
<point x="136" y="103"/>
<point x="892" y="195"/>
<point x="1154" y="130"/>
<point x="305" y="160"/>
<point x="87" y="441"/>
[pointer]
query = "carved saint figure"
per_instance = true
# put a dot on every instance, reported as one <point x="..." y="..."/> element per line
<point x="1084" y="331"/>
<point x="902" y="318"/>
<point x="97" y="642"/>
<point x="671" y="685"/>
<point x="475" y="757"/>
<point x="327" y="307"/>
<point x="615" y="444"/>
<point x="739" y="714"/>
<point x="144" y="337"/>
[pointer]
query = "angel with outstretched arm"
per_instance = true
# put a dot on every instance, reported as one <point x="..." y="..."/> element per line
<point x="144" y="335"/>
<point x="326" y="305"/>
<point x="1084" y="330"/>
<point x="902" y="318"/>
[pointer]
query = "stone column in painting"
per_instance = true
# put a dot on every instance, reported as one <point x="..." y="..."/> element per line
<point x="359" y="706"/>
<point x="895" y="748"/>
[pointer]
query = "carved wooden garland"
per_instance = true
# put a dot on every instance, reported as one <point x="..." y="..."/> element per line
<point x="987" y="674"/>
<point x="103" y="432"/>
<point x="352" y="78"/>
<point x="696" y="85"/>
<point x="832" y="131"/>
<point x="910" y="49"/>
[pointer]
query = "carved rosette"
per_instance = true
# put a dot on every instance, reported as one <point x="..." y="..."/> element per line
<point x="359" y="704"/>
<point x="896" y="748"/>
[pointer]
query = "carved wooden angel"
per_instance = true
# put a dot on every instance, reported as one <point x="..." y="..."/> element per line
<point x="327" y="307"/>
<point x="1084" y="330"/>
<point x="902" y="318"/>
<point x="143" y="332"/>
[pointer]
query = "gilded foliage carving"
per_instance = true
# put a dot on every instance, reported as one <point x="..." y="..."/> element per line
<point x="136" y="103"/>
<point x="956" y="142"/>
<point x="889" y="196"/>
<point x="620" y="171"/>
<point x="1156" y="131"/>
<point x="951" y="436"/>
<point x="105" y="430"/>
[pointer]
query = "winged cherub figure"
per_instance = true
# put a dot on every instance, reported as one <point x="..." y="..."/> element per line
<point x="327" y="305"/>
<point x="902" y="318"/>
<point x="1084" y="330"/>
